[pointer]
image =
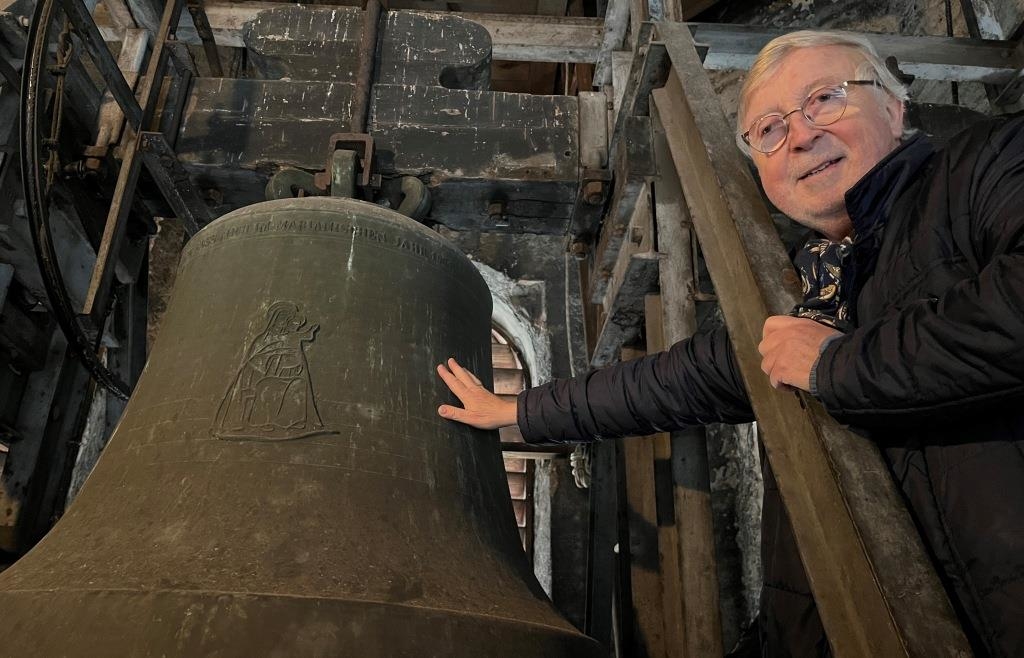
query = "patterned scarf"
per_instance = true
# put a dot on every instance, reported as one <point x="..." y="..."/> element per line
<point x="820" y="263"/>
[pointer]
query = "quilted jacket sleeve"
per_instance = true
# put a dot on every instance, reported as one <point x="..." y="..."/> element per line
<point x="946" y="357"/>
<point x="696" y="381"/>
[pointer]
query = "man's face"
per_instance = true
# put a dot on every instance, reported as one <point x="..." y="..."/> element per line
<point x="839" y="154"/>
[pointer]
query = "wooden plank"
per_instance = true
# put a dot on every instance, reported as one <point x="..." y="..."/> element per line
<point x="502" y="356"/>
<point x="519" y="508"/>
<point x="533" y="453"/>
<point x="644" y="562"/>
<point x="638" y="238"/>
<point x="634" y="274"/>
<point x="622" y="61"/>
<point x="541" y="38"/>
<point x="876" y="592"/>
<point x="675" y="602"/>
<point x="692" y="489"/>
<point x="513" y="465"/>
<point x="648" y="70"/>
<point x="516" y="485"/>
<point x="603" y="574"/>
<point x="634" y="168"/>
<point x="638" y="14"/>
<point x="508" y="381"/>
<point x="593" y="130"/>
<point x="616" y="20"/>
<point x="510" y="434"/>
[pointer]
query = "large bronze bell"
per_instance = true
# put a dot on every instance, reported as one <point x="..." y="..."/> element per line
<point x="280" y="484"/>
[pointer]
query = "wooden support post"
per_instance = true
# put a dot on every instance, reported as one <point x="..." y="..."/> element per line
<point x="645" y="568"/>
<point x="616" y="20"/>
<point x="875" y="589"/>
<point x="602" y="568"/>
<point x="676" y="605"/>
<point x="692" y="487"/>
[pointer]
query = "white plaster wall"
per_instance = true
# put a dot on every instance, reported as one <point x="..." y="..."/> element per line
<point x="530" y="337"/>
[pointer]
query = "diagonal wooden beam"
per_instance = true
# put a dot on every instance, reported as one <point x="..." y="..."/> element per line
<point x="875" y="588"/>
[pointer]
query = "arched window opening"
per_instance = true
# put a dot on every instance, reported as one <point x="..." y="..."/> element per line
<point x="510" y="378"/>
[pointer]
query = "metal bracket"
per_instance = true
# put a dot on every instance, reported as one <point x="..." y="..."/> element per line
<point x="174" y="182"/>
<point x="594" y="190"/>
<point x="362" y="144"/>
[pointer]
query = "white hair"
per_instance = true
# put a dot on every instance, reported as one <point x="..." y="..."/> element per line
<point x="872" y="67"/>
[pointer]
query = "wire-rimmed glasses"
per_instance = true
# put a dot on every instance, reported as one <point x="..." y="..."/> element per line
<point x="822" y="107"/>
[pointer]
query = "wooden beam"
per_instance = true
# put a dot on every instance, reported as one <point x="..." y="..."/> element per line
<point x="542" y="38"/>
<point x="644" y="560"/>
<point x="634" y="274"/>
<point x="692" y="487"/>
<point x="929" y="58"/>
<point x="515" y="37"/>
<point x="875" y="589"/>
<point x="593" y="130"/>
<point x="519" y="37"/>
<point x="675" y="602"/>
<point x="634" y="168"/>
<point x="616" y="20"/>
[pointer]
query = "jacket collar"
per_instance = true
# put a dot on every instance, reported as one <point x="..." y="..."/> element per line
<point x="871" y="198"/>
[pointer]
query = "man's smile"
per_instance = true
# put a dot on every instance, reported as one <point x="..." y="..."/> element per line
<point x="817" y="169"/>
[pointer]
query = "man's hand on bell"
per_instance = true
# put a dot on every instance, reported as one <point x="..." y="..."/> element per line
<point x="481" y="408"/>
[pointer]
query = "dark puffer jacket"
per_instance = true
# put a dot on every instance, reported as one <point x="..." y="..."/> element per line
<point x="933" y="371"/>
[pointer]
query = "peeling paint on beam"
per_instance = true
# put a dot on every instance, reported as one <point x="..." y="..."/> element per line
<point x="514" y="37"/>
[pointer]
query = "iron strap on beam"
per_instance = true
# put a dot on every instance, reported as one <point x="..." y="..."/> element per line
<point x="174" y="181"/>
<point x="875" y="588"/>
<point x="197" y="9"/>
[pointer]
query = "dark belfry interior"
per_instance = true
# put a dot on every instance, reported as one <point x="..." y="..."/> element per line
<point x="236" y="238"/>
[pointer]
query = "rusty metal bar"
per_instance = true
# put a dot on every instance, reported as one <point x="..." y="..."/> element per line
<point x="364" y="76"/>
<point x="177" y="186"/>
<point x="197" y="8"/>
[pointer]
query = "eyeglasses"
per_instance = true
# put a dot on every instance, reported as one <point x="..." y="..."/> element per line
<point x="822" y="107"/>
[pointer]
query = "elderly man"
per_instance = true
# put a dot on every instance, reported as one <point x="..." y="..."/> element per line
<point x="912" y="329"/>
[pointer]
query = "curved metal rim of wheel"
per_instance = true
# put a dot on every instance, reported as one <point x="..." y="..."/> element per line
<point x="37" y="206"/>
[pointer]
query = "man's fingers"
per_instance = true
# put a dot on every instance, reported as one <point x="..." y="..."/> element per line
<point x="453" y="382"/>
<point x="451" y="413"/>
<point x="465" y="376"/>
<point x="768" y="367"/>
